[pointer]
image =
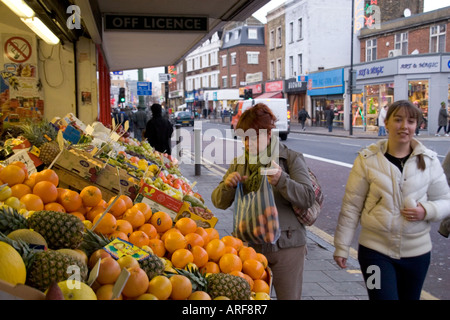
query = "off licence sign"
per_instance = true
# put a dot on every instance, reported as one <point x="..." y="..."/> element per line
<point x="155" y="23"/>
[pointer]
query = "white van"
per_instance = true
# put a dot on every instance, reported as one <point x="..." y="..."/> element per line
<point x="279" y="108"/>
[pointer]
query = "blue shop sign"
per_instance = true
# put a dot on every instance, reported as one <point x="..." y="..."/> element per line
<point x="326" y="83"/>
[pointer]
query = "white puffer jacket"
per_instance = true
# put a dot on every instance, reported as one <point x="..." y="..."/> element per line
<point x="376" y="191"/>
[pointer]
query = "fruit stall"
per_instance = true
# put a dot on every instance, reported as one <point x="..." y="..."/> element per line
<point x="87" y="214"/>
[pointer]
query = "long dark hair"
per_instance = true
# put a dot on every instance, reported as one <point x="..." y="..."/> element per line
<point x="412" y="111"/>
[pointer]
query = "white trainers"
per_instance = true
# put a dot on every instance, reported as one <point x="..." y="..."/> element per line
<point x="446" y="134"/>
<point x="437" y="135"/>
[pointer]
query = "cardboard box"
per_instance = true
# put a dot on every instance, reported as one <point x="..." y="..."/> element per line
<point x="80" y="163"/>
<point x="24" y="156"/>
<point x="201" y="222"/>
<point x="9" y="291"/>
<point x="113" y="179"/>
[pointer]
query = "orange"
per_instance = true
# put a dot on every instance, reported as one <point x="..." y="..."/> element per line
<point x="237" y="273"/>
<point x="127" y="261"/>
<point x="181" y="287"/>
<point x="260" y="286"/>
<point x="124" y="226"/>
<point x="46" y="191"/>
<point x="213" y="233"/>
<point x="139" y="238"/>
<point x="97" y="254"/>
<point x="166" y="234"/>
<point x="21" y="165"/>
<point x="145" y="209"/>
<point x="137" y="283"/>
<point x="79" y="215"/>
<point x="91" y="214"/>
<point x="105" y="292"/>
<point x="249" y="280"/>
<point x="215" y="249"/>
<point x="119" y="207"/>
<point x="127" y="200"/>
<point x="205" y="235"/>
<point x="186" y="225"/>
<point x="161" y="221"/>
<point x="32" y="202"/>
<point x="107" y="225"/>
<point x="262" y="258"/>
<point x="19" y="190"/>
<point x="71" y="200"/>
<point x="54" y="206"/>
<point x="157" y="245"/>
<point x="200" y="256"/>
<point x="253" y="268"/>
<point x="265" y="276"/>
<point x="160" y="287"/>
<point x="210" y="267"/>
<point x="194" y="239"/>
<point x="230" y="262"/>
<point x="174" y="241"/>
<point x="12" y="175"/>
<point x="181" y="257"/>
<point x="247" y="253"/>
<point x="232" y="250"/>
<point x="135" y="217"/>
<point x="199" y="295"/>
<point x="232" y="242"/>
<point x="47" y="175"/>
<point x="91" y="196"/>
<point x="149" y="229"/>
<point x="109" y="271"/>
<point x="119" y="235"/>
<point x="31" y="181"/>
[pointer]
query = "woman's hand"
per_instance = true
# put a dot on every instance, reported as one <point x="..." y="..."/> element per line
<point x="341" y="262"/>
<point x="233" y="179"/>
<point x="274" y="178"/>
<point x="414" y="214"/>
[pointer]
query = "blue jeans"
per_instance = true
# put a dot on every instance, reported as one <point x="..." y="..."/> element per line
<point x="400" y="279"/>
<point x="381" y="130"/>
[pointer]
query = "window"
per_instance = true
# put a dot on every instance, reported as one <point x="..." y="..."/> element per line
<point x="291" y="32"/>
<point x="196" y="63"/>
<point x="189" y="65"/>
<point x="437" y="38"/>
<point x="272" y="39"/>
<point x="236" y="34"/>
<point x="213" y="58"/>
<point x="300" y="29"/>
<point x="279" y="70"/>
<point x="233" y="81"/>
<point x="205" y="81"/>
<point x="224" y="60"/>
<point x="205" y="61"/>
<point x="224" y="82"/>
<point x="401" y="42"/>
<point x="233" y="58"/>
<point x="252" y="33"/>
<point x="300" y="64"/>
<point x="252" y="57"/>
<point x="272" y="70"/>
<point x="291" y="66"/>
<point x="279" y="37"/>
<point x="214" y="79"/>
<point x="371" y="50"/>
<point x="227" y="37"/>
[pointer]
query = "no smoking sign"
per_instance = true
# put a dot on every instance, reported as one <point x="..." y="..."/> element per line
<point x="17" y="49"/>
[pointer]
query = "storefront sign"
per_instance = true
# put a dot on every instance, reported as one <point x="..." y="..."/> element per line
<point x="254" y="77"/>
<point x="375" y="70"/>
<point x="256" y="88"/>
<point x="292" y="85"/>
<point x="326" y="83"/>
<point x="116" y="22"/>
<point x="273" y="86"/>
<point x="425" y="64"/>
<point x="445" y="64"/>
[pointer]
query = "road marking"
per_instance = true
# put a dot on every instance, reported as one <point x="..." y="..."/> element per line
<point x="339" y="163"/>
<point x="350" y="144"/>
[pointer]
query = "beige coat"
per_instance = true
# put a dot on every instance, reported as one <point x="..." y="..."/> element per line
<point x="294" y="188"/>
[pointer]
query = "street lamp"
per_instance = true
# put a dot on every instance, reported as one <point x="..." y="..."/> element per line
<point x="350" y="79"/>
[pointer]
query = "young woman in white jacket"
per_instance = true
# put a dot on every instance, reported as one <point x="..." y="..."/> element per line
<point x="396" y="188"/>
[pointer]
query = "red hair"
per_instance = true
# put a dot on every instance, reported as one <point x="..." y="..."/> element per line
<point x="257" y="117"/>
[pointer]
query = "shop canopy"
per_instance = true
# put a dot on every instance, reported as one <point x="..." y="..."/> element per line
<point x="267" y="95"/>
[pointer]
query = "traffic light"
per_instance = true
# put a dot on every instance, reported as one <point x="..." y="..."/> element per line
<point x="121" y="95"/>
<point x="248" y="94"/>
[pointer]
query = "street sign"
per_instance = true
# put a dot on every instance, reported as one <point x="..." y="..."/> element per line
<point x="163" y="77"/>
<point x="144" y="88"/>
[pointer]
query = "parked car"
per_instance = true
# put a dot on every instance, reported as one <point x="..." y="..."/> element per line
<point x="184" y="118"/>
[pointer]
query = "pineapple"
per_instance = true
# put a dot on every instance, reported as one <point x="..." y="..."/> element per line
<point x="47" y="266"/>
<point x="60" y="230"/>
<point x="43" y="136"/>
<point x="218" y="284"/>
<point x="48" y="152"/>
<point x="152" y="265"/>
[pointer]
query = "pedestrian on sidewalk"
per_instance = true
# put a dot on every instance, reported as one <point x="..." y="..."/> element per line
<point x="158" y="130"/>
<point x="140" y="120"/>
<point x="302" y="116"/>
<point x="286" y="256"/>
<point x="442" y="120"/>
<point x="444" y="228"/>
<point x="381" y="118"/>
<point x="329" y="116"/>
<point x="396" y="188"/>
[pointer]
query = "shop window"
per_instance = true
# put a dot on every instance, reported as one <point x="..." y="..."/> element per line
<point x="418" y="94"/>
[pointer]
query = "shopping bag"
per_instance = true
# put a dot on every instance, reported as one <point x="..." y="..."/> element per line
<point x="255" y="218"/>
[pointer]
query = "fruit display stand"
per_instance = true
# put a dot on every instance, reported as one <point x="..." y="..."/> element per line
<point x="19" y="292"/>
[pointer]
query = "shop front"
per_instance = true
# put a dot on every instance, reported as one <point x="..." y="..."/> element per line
<point x="273" y="89"/>
<point x="221" y="100"/>
<point x="296" y="95"/>
<point x="326" y="90"/>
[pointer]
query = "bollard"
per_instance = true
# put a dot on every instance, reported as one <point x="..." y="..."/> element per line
<point x="177" y="146"/>
<point x="198" y="150"/>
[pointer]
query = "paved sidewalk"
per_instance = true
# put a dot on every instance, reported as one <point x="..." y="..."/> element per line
<point x="323" y="279"/>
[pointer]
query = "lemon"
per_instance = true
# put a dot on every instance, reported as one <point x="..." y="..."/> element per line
<point x="13" y="202"/>
<point x="76" y="290"/>
<point x="88" y="224"/>
<point x="12" y="267"/>
<point x="261" y="296"/>
<point x="221" y="298"/>
<point x="147" y="296"/>
<point x="5" y="193"/>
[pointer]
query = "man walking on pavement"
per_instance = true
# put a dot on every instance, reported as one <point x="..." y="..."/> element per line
<point x="302" y="116"/>
<point x="140" y="120"/>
